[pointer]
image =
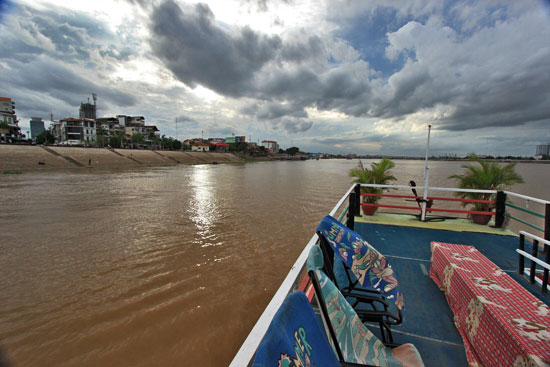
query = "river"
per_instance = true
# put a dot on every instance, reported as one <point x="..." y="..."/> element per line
<point x="165" y="266"/>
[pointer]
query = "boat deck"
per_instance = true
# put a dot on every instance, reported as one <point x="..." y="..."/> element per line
<point x="428" y="320"/>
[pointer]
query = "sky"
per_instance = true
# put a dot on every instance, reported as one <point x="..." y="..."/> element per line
<point x="335" y="76"/>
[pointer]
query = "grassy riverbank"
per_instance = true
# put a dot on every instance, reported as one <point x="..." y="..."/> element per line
<point x="25" y="158"/>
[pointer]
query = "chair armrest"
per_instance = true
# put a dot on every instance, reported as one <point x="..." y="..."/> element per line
<point x="375" y="316"/>
<point x="366" y="298"/>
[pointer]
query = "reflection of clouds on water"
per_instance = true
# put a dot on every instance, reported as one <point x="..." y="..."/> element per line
<point x="203" y="209"/>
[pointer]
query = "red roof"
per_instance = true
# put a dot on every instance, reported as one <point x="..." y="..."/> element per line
<point x="221" y="145"/>
<point x="5" y="99"/>
<point x="201" y="144"/>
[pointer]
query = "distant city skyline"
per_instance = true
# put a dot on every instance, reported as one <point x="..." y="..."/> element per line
<point x="334" y="76"/>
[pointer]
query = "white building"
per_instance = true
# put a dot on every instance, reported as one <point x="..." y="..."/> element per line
<point x="75" y="131"/>
<point x="270" y="145"/>
<point x="10" y="130"/>
<point x="200" y="147"/>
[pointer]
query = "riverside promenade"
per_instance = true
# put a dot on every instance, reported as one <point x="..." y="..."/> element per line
<point x="40" y="158"/>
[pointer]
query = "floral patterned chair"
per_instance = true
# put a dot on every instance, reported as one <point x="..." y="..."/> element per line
<point x="370" y="285"/>
<point x="352" y="340"/>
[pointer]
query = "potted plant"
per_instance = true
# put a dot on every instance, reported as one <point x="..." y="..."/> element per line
<point x="378" y="173"/>
<point x="484" y="175"/>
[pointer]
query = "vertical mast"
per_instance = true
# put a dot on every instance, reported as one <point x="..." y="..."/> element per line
<point x="426" y="177"/>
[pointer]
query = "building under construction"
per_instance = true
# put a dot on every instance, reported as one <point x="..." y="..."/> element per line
<point x="88" y="110"/>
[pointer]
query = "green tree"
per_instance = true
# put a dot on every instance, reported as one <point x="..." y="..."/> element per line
<point x="45" y="137"/>
<point x="176" y="144"/>
<point x="485" y="175"/>
<point x="242" y="146"/>
<point x="292" y="150"/>
<point x="115" y="141"/>
<point x="101" y="134"/>
<point x="137" y="138"/>
<point x="378" y="173"/>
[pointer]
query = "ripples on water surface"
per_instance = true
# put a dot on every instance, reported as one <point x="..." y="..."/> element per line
<point x="170" y="266"/>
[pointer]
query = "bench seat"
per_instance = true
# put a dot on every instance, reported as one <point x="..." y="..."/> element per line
<point x="500" y="322"/>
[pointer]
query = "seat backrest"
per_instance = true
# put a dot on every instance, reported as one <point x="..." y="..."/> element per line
<point x="355" y="342"/>
<point x="295" y="338"/>
<point x="368" y="265"/>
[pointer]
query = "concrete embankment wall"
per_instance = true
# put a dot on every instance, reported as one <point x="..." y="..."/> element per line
<point x="26" y="157"/>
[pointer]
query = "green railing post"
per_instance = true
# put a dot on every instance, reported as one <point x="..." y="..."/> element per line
<point x="500" y="209"/>
<point x="351" y="211"/>
<point x="357" y="190"/>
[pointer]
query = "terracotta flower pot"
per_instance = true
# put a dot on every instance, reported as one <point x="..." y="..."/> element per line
<point x="482" y="219"/>
<point x="369" y="210"/>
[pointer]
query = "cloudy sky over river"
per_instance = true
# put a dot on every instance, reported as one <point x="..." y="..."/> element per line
<point x="331" y="76"/>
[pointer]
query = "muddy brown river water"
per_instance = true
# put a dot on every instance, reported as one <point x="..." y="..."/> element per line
<point x="168" y="266"/>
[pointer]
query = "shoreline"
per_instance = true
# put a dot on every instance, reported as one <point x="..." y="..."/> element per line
<point x="17" y="159"/>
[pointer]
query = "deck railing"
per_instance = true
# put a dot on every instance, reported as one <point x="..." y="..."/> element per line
<point x="527" y="201"/>
<point x="534" y="258"/>
<point x="498" y="203"/>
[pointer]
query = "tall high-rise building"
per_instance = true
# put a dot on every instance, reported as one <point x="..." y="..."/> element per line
<point x="543" y="149"/>
<point x="87" y="111"/>
<point x="37" y="126"/>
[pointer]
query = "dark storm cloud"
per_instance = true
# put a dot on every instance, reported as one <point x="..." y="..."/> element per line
<point x="219" y="130"/>
<point x="199" y="52"/>
<point x="270" y="111"/>
<point x="245" y="63"/>
<point x="299" y="126"/>
<point x="312" y="46"/>
<point x="183" y="118"/>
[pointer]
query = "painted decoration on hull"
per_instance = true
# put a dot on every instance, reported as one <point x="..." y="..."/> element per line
<point x="368" y="265"/>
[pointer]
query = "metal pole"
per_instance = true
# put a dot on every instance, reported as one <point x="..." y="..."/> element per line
<point x="533" y="268"/>
<point x="500" y="209"/>
<point x="546" y="247"/>
<point x="357" y="190"/>
<point x="521" y="267"/>
<point x="351" y="211"/>
<point x="545" y="271"/>
<point x="547" y="222"/>
<point x="426" y="177"/>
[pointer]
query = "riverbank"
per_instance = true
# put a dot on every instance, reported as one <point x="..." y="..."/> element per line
<point x="25" y="158"/>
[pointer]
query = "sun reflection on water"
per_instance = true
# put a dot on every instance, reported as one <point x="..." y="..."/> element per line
<point x="203" y="208"/>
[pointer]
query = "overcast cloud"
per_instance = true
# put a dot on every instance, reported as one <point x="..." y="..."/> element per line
<point x="346" y="76"/>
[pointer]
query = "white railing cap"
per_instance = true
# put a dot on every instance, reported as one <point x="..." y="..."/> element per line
<point x="451" y="189"/>
<point x="540" y="239"/>
<point x="530" y="198"/>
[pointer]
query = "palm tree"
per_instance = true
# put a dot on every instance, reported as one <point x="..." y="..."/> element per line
<point x="378" y="173"/>
<point x="485" y="176"/>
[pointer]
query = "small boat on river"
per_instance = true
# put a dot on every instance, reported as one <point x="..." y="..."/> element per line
<point x="397" y="289"/>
